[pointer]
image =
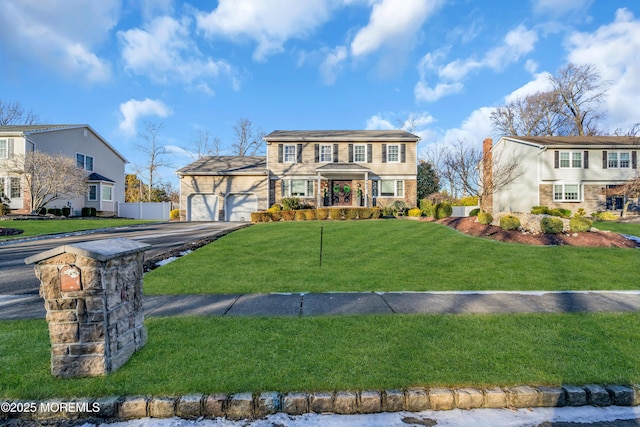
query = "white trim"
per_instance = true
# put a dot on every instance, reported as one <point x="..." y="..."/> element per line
<point x="398" y="154"/>
<point x="564" y="192"/>
<point x="330" y="147"/>
<point x="284" y="153"/>
<point x="89" y="193"/>
<point x="355" y="160"/>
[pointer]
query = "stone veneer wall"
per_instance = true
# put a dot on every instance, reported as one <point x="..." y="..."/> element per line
<point x="93" y="299"/>
<point x="593" y="199"/>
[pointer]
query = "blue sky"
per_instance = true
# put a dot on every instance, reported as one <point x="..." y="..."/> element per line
<point x="305" y="64"/>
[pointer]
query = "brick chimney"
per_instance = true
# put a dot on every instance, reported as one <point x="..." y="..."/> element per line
<point x="487" y="175"/>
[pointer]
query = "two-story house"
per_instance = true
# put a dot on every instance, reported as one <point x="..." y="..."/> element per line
<point x="103" y="164"/>
<point x="320" y="167"/>
<point x="572" y="172"/>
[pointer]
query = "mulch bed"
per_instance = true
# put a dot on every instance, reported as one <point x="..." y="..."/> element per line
<point x="5" y="231"/>
<point x="468" y="225"/>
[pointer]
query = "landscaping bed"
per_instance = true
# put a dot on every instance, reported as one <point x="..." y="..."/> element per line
<point x="470" y="226"/>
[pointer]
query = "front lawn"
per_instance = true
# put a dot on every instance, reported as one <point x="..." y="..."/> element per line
<point x="386" y="255"/>
<point x="619" y="227"/>
<point x="54" y="226"/>
<point x="233" y="354"/>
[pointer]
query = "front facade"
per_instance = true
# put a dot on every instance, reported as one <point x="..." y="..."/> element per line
<point x="103" y="164"/>
<point x="566" y="172"/>
<point x="343" y="168"/>
<point x="321" y="168"/>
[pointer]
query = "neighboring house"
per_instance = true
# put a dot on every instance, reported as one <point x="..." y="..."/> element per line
<point x="104" y="165"/>
<point x="565" y="172"/>
<point x="321" y="168"/>
<point x="223" y="188"/>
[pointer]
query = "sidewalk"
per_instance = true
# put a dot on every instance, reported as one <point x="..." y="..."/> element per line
<point x="13" y="307"/>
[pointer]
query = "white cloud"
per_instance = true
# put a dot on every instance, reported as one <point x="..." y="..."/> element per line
<point x="376" y="122"/>
<point x="270" y="23"/>
<point x="425" y="93"/>
<point x="393" y="24"/>
<point x="540" y="83"/>
<point x="416" y="122"/>
<point x="133" y="109"/>
<point x="59" y="34"/>
<point x="614" y="49"/>
<point x="164" y="51"/>
<point x="332" y="64"/>
<point x="556" y="9"/>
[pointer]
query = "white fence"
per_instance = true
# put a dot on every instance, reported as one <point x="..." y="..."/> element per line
<point x="159" y="210"/>
<point x="462" y="210"/>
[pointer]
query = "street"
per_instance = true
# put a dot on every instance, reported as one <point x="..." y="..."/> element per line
<point x="17" y="278"/>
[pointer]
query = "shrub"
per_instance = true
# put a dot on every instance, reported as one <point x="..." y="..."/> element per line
<point x="474" y="212"/>
<point x="322" y="213"/>
<point x="351" y="213"/>
<point x="365" y="213"/>
<point x="376" y="213"/>
<point x="540" y="210"/>
<point x="336" y="213"/>
<point x="275" y="215"/>
<point x="551" y="225"/>
<point x="309" y="214"/>
<point x="276" y="207"/>
<point x="580" y="224"/>
<point x="427" y="207"/>
<point x="414" y="212"/>
<point x="467" y="201"/>
<point x="605" y="216"/>
<point x="580" y="212"/>
<point x="174" y="214"/>
<point x="255" y="217"/>
<point x="288" y="215"/>
<point x="89" y="212"/>
<point x="42" y="211"/>
<point x="55" y="211"/>
<point x="5" y="209"/>
<point x="509" y="222"/>
<point x="290" y="203"/>
<point x="66" y="211"/>
<point x="485" y="218"/>
<point x="562" y="213"/>
<point x="300" y="216"/>
<point x="443" y="210"/>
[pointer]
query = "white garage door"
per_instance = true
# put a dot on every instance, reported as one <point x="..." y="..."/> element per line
<point x="203" y="207"/>
<point x="240" y="206"/>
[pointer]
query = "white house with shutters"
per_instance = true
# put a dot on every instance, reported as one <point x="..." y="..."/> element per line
<point x="566" y="172"/>
<point x="103" y="164"/>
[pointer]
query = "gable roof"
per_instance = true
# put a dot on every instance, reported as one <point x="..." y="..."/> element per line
<point x="226" y="165"/>
<point x="341" y="136"/>
<point x="578" y="141"/>
<point x="31" y="129"/>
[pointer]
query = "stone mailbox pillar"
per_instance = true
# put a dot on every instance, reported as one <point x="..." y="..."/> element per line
<point x="93" y="296"/>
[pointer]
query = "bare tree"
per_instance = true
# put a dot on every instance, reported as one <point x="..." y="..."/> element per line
<point x="154" y="153"/>
<point x="533" y="115"/>
<point x="461" y="168"/>
<point x="248" y="138"/>
<point x="203" y="145"/>
<point x="48" y="177"/>
<point x="580" y="91"/>
<point x="13" y="113"/>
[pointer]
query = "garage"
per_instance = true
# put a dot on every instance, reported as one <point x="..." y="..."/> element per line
<point x="240" y="206"/>
<point x="202" y="207"/>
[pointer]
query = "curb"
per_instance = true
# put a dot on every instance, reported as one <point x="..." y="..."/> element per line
<point x="251" y="406"/>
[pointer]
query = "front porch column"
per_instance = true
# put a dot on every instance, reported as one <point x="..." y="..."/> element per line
<point x="366" y="189"/>
<point x="319" y="196"/>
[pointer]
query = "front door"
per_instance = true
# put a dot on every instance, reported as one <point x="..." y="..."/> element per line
<point x="341" y="193"/>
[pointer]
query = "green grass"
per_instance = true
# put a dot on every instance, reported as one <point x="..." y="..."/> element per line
<point x="386" y="255"/>
<point x="619" y="227"/>
<point x="210" y="354"/>
<point x="40" y="227"/>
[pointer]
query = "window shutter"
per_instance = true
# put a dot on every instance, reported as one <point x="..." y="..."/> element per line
<point x="280" y="153"/>
<point x="634" y="159"/>
<point x="403" y="153"/>
<point x="604" y="160"/>
<point x="586" y="160"/>
<point x="335" y="153"/>
<point x="10" y="149"/>
<point x="384" y="153"/>
<point x="556" y="159"/>
<point x="350" y="153"/>
<point x="316" y="152"/>
<point x="299" y="154"/>
<point x="369" y="153"/>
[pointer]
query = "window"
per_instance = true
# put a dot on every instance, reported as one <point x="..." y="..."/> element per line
<point x="618" y="159"/>
<point x="84" y="162"/>
<point x="393" y="153"/>
<point x="391" y="188"/>
<point x="567" y="192"/>
<point x="4" y="149"/>
<point x="570" y="159"/>
<point x="326" y="153"/>
<point x="360" y="153"/>
<point x="14" y="191"/>
<point x="93" y="192"/>
<point x="2" y="188"/>
<point x="289" y="153"/>
<point x="107" y="193"/>
<point x="297" y="188"/>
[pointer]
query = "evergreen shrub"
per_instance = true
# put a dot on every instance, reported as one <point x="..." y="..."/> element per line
<point x="414" y="212"/>
<point x="174" y="214"/>
<point x="551" y="225"/>
<point x="474" y="212"/>
<point x="443" y="210"/>
<point x="580" y="224"/>
<point x="485" y="218"/>
<point x="509" y="222"/>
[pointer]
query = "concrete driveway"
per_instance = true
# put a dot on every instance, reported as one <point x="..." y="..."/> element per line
<point x="17" y="278"/>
